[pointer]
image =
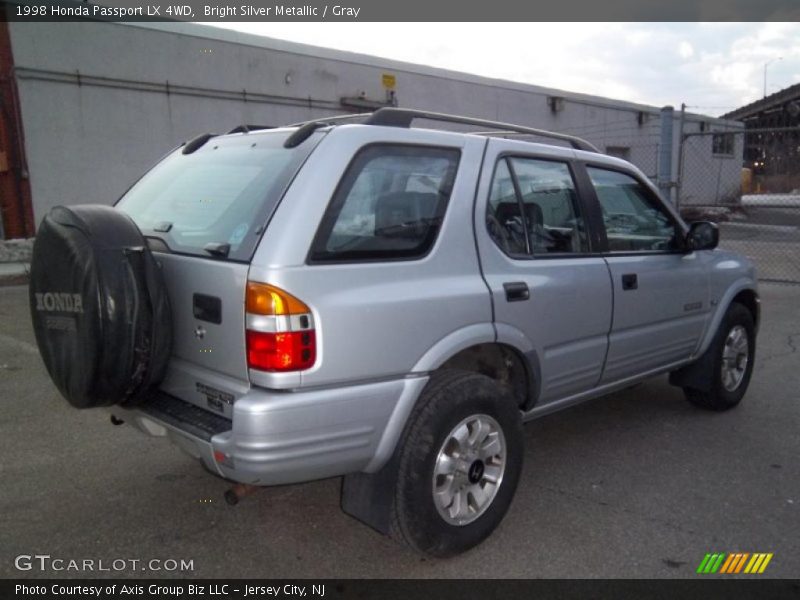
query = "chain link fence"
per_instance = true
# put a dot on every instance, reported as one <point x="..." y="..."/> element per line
<point x="749" y="183"/>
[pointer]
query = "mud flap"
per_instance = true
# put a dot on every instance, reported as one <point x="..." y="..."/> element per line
<point x="698" y="375"/>
<point x="369" y="497"/>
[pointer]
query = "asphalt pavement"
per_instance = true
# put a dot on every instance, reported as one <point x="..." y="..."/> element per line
<point x="637" y="484"/>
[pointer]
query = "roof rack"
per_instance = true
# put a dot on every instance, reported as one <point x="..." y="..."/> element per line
<point x="249" y="128"/>
<point x="306" y="128"/>
<point x="403" y="117"/>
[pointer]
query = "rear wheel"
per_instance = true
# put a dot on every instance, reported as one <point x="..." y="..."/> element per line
<point x="733" y="355"/>
<point x="460" y="462"/>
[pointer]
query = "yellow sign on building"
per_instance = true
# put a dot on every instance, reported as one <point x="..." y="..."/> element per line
<point x="389" y="81"/>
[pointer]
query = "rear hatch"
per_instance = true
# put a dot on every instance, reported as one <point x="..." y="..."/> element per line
<point x="203" y="214"/>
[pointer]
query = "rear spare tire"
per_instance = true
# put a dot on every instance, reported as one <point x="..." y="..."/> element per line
<point x="99" y="306"/>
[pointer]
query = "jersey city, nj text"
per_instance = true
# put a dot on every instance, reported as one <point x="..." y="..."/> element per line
<point x="280" y="10"/>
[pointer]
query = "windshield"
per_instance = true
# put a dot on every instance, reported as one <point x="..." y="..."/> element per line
<point x="221" y="194"/>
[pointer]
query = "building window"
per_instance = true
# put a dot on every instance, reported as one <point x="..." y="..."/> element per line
<point x="722" y="144"/>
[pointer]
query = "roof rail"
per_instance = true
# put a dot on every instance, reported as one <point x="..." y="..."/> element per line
<point x="249" y="128"/>
<point x="332" y="119"/>
<point x="302" y="134"/>
<point x="306" y="128"/>
<point x="403" y="117"/>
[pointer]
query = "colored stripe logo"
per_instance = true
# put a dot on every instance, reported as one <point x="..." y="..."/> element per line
<point x="733" y="563"/>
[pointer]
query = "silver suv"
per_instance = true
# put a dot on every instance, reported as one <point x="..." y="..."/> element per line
<point x="386" y="303"/>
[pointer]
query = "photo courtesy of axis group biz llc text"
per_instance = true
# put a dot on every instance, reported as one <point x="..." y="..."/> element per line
<point x="177" y="590"/>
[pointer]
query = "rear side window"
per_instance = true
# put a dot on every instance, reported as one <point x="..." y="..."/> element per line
<point x="223" y="193"/>
<point x="389" y="205"/>
<point x="533" y="209"/>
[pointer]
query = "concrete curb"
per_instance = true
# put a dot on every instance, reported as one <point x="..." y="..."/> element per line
<point x="15" y="261"/>
<point x="14" y="273"/>
<point x="772" y="200"/>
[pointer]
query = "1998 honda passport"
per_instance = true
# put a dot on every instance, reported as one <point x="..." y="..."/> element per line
<point x="385" y="303"/>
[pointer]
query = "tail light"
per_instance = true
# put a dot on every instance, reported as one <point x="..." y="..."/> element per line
<point x="280" y="330"/>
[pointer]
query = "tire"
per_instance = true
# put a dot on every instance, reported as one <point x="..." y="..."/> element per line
<point x="731" y="361"/>
<point x="99" y="307"/>
<point x="453" y="399"/>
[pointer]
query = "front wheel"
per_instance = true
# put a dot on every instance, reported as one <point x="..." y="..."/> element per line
<point x="733" y="354"/>
<point x="460" y="461"/>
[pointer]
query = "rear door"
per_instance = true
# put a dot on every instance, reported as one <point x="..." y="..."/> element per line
<point x="209" y="365"/>
<point x="550" y="289"/>
<point x="661" y="293"/>
<point x="203" y="214"/>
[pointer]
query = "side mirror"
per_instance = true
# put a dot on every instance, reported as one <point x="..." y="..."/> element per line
<point x="702" y="235"/>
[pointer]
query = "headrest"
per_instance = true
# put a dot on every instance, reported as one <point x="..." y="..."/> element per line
<point x="506" y="211"/>
<point x="533" y="214"/>
<point x="404" y="213"/>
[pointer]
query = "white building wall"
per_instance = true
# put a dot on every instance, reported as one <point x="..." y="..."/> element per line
<point x="101" y="102"/>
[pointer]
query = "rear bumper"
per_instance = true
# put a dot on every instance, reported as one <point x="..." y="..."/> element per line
<point x="288" y="437"/>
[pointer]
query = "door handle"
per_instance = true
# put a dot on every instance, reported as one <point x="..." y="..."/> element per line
<point x="516" y="291"/>
<point x="630" y="281"/>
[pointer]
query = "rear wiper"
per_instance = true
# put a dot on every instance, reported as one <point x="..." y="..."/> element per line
<point x="217" y="249"/>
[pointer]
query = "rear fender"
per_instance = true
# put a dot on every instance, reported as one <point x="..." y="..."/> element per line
<point x="433" y="358"/>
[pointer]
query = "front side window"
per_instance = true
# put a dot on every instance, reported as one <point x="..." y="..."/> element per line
<point x="533" y="209"/>
<point x="634" y="220"/>
<point x="389" y="204"/>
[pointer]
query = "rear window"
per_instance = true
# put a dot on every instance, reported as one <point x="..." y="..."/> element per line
<point x="223" y="193"/>
<point x="389" y="204"/>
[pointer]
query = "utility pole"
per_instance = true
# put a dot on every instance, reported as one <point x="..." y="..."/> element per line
<point x="665" y="153"/>
<point x="680" y="155"/>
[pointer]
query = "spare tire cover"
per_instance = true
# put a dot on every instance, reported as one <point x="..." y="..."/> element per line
<point x="99" y="306"/>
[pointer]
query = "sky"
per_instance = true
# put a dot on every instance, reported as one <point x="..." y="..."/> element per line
<point x="712" y="67"/>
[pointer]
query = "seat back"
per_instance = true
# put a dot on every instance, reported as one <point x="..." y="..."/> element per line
<point x="404" y="214"/>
